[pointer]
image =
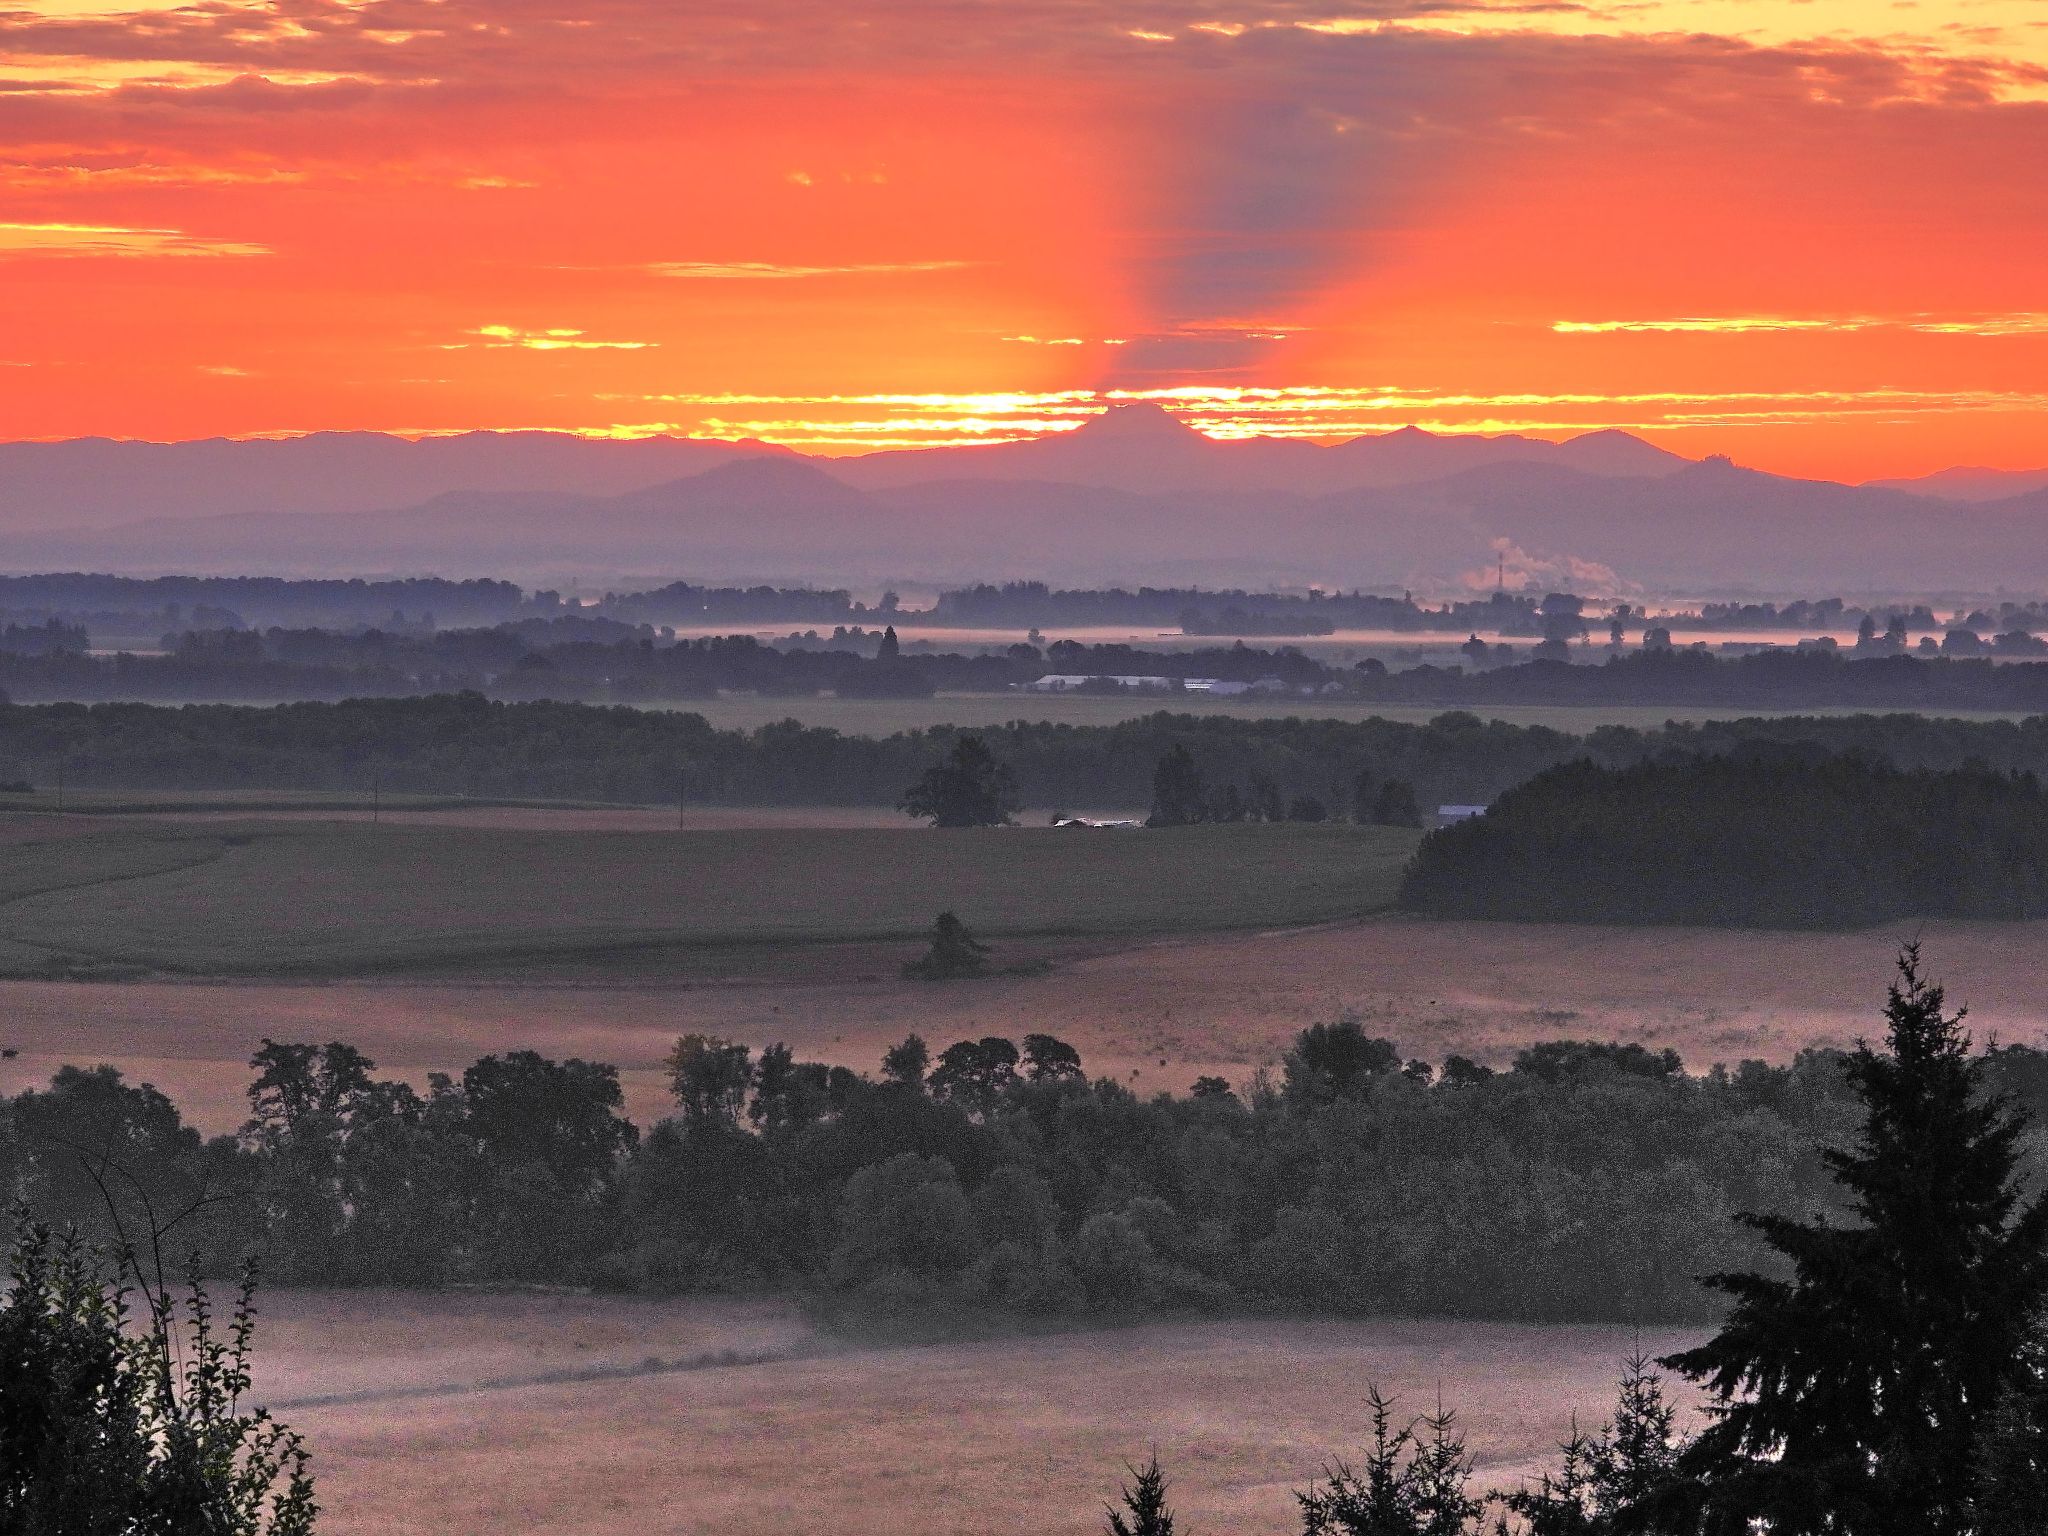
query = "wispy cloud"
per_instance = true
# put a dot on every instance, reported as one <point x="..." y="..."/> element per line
<point x="116" y="240"/>
<point x="2020" y="324"/>
<point x="774" y="271"/>
<point x="852" y="422"/>
<point x="554" y="339"/>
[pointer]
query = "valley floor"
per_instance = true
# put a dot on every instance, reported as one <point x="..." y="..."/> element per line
<point x="454" y="1417"/>
<point x="1156" y="1015"/>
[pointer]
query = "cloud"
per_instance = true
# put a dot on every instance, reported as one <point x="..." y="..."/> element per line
<point x="775" y="271"/>
<point x="556" y="339"/>
<point x="1314" y="412"/>
<point x="79" y="240"/>
<point x="2020" y="324"/>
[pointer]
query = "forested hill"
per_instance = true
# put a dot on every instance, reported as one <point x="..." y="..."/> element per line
<point x="1767" y="836"/>
<point x="456" y="744"/>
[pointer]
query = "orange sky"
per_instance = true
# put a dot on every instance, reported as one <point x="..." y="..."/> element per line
<point x="1813" y="236"/>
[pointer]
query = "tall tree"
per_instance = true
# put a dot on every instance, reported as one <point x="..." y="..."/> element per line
<point x="969" y="789"/>
<point x="1851" y="1395"/>
<point x="906" y="1064"/>
<point x="1048" y="1056"/>
<point x="709" y="1078"/>
<point x="1178" y="793"/>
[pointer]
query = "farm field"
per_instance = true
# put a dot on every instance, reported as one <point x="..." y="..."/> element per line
<point x="251" y="896"/>
<point x="883" y="717"/>
<point x="817" y="1435"/>
<point x="1155" y="1014"/>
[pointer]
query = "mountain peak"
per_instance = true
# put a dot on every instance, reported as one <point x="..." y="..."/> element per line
<point x="1135" y="418"/>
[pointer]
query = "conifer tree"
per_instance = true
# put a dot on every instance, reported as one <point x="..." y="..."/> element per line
<point x="1145" y="1512"/>
<point x="955" y="953"/>
<point x="1634" y="1461"/>
<point x="1409" y="1485"/>
<point x="1851" y="1395"/>
<point x="2012" y="1451"/>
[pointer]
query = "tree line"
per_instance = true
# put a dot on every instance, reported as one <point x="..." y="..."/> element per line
<point x="1582" y="1182"/>
<point x="1767" y="836"/>
<point x="1879" y="1365"/>
<point x="1885" y="1373"/>
<point x="464" y="744"/>
<point x="548" y="651"/>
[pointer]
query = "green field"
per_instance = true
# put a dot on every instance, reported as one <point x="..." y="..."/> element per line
<point x="133" y="802"/>
<point x="883" y="717"/>
<point x="314" y="898"/>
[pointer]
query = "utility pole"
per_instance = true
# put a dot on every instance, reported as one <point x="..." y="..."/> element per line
<point x="376" y="799"/>
<point x="60" y="784"/>
<point x="681" y="784"/>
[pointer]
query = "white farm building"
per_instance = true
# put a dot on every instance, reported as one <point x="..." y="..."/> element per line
<point x="1062" y="682"/>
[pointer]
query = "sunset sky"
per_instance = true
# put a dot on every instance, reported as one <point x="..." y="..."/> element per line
<point x="1810" y="235"/>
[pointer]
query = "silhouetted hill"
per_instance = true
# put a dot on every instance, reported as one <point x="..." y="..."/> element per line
<point x="1205" y="511"/>
<point x="1144" y="448"/>
<point x="1963" y="484"/>
<point x="97" y="482"/>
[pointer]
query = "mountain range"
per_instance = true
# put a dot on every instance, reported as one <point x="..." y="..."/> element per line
<point x="1132" y="495"/>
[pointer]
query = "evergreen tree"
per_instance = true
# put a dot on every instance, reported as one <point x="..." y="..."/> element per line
<point x="1634" y="1461"/>
<point x="1851" y="1396"/>
<point x="969" y="789"/>
<point x="1409" y="1485"/>
<point x="1603" y="1478"/>
<point x="954" y="953"/>
<point x="1564" y="1503"/>
<point x="1178" y="797"/>
<point x="1145" y="1512"/>
<point x="2012" y="1452"/>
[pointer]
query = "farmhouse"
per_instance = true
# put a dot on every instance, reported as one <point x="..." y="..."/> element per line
<point x="1447" y="815"/>
<point x="1061" y="682"/>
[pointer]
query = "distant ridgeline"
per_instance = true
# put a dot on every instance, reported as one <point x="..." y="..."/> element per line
<point x="1765" y="836"/>
<point x="453" y="744"/>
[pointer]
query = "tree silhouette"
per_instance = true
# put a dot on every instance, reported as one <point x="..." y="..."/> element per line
<point x="1178" y="798"/>
<point x="969" y="789"/>
<point x="954" y="953"/>
<point x="112" y="1424"/>
<point x="1851" y="1396"/>
<point x="1144" y="1500"/>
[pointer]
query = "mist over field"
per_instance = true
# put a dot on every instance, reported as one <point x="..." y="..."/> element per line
<point x="867" y="768"/>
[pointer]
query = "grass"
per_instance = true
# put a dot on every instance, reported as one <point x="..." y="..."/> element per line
<point x="311" y="898"/>
<point x="614" y="1428"/>
<point x="883" y="717"/>
<point x="144" y="802"/>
